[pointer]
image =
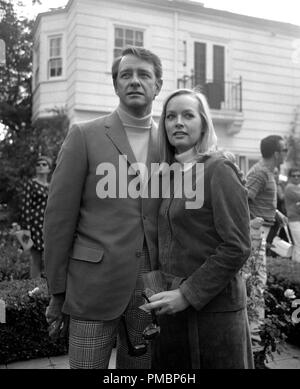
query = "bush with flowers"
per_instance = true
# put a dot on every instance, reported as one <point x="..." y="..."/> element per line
<point x="283" y="287"/>
<point x="14" y="262"/>
<point x="278" y="325"/>
<point x="276" y="298"/>
<point x="25" y="333"/>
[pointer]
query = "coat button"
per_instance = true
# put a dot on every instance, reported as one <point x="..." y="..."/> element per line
<point x="138" y="253"/>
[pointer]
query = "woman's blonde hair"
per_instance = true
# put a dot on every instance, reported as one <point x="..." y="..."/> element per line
<point x="206" y="143"/>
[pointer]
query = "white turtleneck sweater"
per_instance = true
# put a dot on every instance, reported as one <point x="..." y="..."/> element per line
<point x="138" y="134"/>
<point x="188" y="157"/>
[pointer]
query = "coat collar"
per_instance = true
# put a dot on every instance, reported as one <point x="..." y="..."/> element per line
<point x="116" y="133"/>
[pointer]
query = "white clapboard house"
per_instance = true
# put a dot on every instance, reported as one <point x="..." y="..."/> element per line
<point x="249" y="68"/>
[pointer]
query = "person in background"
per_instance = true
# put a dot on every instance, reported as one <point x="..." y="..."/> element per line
<point x="262" y="197"/>
<point x="280" y="191"/>
<point x="292" y="204"/>
<point x="202" y="312"/>
<point x="279" y="216"/>
<point x="97" y="244"/>
<point x="34" y="199"/>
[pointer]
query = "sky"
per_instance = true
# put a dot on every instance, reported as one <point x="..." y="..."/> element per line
<point x="281" y="10"/>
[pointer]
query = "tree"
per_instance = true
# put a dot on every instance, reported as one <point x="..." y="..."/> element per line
<point x="22" y="142"/>
<point x="293" y="156"/>
<point x="15" y="77"/>
<point x="15" y="98"/>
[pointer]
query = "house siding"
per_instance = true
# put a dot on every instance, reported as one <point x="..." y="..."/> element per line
<point x="260" y="54"/>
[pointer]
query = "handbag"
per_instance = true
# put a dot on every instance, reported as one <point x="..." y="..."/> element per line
<point x="282" y="247"/>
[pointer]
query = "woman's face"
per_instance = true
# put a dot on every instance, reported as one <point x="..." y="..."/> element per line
<point x="42" y="167"/>
<point x="183" y="122"/>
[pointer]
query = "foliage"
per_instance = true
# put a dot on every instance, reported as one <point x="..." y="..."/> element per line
<point x="278" y="326"/>
<point x="278" y="321"/>
<point x="14" y="263"/>
<point x="25" y="334"/>
<point x="23" y="142"/>
<point x="254" y="285"/>
<point x="294" y="151"/>
<point x="293" y="141"/>
<point x="18" y="158"/>
<point x="15" y="98"/>
<point x="15" y="77"/>
<point x="284" y="274"/>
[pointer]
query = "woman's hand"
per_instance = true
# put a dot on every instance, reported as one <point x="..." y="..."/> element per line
<point x="168" y="302"/>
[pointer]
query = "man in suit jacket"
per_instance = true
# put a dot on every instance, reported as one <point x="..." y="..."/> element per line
<point x="99" y="238"/>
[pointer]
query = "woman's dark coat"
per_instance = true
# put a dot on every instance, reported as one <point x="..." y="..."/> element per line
<point x="201" y="251"/>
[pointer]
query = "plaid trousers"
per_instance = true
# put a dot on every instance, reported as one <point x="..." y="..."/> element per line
<point x="91" y="342"/>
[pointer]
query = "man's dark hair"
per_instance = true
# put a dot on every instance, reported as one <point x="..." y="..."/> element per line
<point x="139" y="52"/>
<point x="269" y="145"/>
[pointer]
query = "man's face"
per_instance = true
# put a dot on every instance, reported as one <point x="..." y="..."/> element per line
<point x="136" y="85"/>
<point x="295" y="177"/>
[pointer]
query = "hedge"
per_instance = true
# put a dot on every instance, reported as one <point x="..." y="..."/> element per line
<point x="284" y="274"/>
<point x="25" y="334"/>
<point x="14" y="263"/>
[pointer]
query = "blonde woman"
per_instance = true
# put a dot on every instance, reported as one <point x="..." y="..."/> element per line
<point x="202" y="314"/>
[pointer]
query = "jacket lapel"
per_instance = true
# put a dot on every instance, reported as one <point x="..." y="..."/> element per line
<point x="153" y="150"/>
<point x="116" y="133"/>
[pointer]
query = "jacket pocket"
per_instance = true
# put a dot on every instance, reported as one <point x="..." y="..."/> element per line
<point x="87" y="254"/>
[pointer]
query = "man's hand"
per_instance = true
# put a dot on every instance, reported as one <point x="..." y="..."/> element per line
<point x="57" y="320"/>
<point x="256" y="223"/>
<point x="168" y="302"/>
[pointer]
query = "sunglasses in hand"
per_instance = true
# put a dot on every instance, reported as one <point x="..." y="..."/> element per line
<point x="149" y="333"/>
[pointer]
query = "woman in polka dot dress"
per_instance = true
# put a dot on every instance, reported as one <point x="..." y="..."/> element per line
<point x="34" y="201"/>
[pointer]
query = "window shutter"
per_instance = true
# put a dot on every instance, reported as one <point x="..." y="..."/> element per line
<point x="219" y="71"/>
<point x="200" y="64"/>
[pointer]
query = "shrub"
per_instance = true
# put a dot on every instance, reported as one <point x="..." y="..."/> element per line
<point x="25" y="333"/>
<point x="278" y="326"/>
<point x="286" y="272"/>
<point x="14" y="263"/>
<point x="19" y="151"/>
<point x="283" y="274"/>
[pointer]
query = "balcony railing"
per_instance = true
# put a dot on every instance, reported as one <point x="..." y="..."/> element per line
<point x="220" y="95"/>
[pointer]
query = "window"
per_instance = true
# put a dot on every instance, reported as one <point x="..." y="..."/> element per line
<point x="209" y="72"/>
<point x="127" y="37"/>
<point x="55" y="57"/>
<point x="252" y="162"/>
<point x="242" y="162"/>
<point x="245" y="163"/>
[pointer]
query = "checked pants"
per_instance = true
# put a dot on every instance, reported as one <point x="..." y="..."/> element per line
<point x="91" y="342"/>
